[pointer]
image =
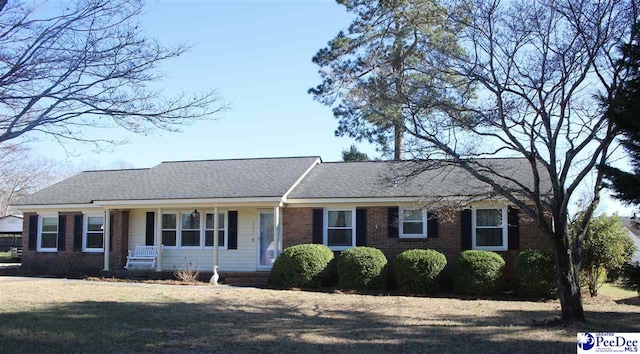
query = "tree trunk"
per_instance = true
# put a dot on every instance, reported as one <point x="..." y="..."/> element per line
<point x="397" y="152"/>
<point x="567" y="281"/>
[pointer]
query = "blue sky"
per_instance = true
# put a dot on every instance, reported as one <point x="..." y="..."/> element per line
<point x="257" y="55"/>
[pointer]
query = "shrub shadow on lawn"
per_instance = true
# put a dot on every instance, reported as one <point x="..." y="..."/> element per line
<point x="221" y="326"/>
<point x="634" y="300"/>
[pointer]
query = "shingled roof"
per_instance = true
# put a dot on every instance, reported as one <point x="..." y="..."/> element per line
<point x="274" y="177"/>
<point x="235" y="178"/>
<point x="436" y="178"/>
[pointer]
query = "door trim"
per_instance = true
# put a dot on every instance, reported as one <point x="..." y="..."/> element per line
<point x="259" y="239"/>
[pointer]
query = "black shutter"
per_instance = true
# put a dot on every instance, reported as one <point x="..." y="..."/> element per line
<point x="77" y="232"/>
<point x="392" y="220"/>
<point x="233" y="230"/>
<point x="317" y="226"/>
<point x="150" y="230"/>
<point x="33" y="232"/>
<point x="361" y="227"/>
<point x="432" y="225"/>
<point x="513" y="218"/>
<point x="465" y="228"/>
<point x="62" y="232"/>
<point x="110" y="231"/>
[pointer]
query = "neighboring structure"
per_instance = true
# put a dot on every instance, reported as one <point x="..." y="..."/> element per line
<point x="252" y="208"/>
<point x="10" y="232"/>
<point x="632" y="224"/>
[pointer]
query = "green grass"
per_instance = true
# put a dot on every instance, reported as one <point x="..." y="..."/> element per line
<point x="49" y="315"/>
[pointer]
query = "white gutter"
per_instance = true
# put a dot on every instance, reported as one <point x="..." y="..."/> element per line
<point x="55" y="206"/>
<point x="188" y="201"/>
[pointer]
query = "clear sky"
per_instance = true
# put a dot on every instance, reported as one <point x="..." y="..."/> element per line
<point x="257" y="55"/>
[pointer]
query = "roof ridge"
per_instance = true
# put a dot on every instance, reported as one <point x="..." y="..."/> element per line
<point x="421" y="160"/>
<point x="246" y="158"/>
<point x="119" y="169"/>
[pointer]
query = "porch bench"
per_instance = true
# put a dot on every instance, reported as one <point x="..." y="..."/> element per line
<point x="142" y="255"/>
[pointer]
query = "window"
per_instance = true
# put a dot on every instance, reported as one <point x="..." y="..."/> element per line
<point x="490" y="229"/>
<point x="413" y="223"/>
<point x="93" y="240"/>
<point x="185" y="230"/>
<point x="48" y="237"/>
<point x="339" y="233"/>
<point x="190" y="231"/>
<point x="208" y="230"/>
<point x="169" y="229"/>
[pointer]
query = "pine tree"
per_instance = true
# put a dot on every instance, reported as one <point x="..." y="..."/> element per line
<point x="386" y="58"/>
<point x="624" y="111"/>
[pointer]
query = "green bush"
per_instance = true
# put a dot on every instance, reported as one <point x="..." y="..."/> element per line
<point x="631" y="277"/>
<point x="416" y="270"/>
<point x="301" y="266"/>
<point x="536" y="272"/>
<point x="478" y="272"/>
<point x="606" y="247"/>
<point x="361" y="268"/>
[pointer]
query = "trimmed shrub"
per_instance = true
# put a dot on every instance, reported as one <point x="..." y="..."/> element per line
<point x="416" y="270"/>
<point x="361" y="268"/>
<point x="536" y="272"/>
<point x="301" y="266"/>
<point x="478" y="272"/>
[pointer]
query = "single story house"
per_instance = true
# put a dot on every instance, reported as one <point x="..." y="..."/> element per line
<point x="10" y="232"/>
<point x="258" y="207"/>
<point x="632" y="225"/>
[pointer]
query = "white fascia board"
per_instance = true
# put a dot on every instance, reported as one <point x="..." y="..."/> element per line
<point x="54" y="206"/>
<point x="251" y="200"/>
<point x="353" y="200"/>
<point x="386" y="200"/>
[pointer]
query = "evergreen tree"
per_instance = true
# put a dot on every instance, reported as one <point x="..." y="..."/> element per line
<point x="353" y="154"/>
<point x="624" y="111"/>
<point x="386" y="57"/>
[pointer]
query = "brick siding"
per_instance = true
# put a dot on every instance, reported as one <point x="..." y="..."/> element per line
<point x="76" y="262"/>
<point x="297" y="229"/>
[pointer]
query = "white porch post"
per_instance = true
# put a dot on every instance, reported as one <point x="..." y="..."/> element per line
<point x="276" y="229"/>
<point x="106" y="239"/>
<point x="159" y="238"/>
<point x="215" y="276"/>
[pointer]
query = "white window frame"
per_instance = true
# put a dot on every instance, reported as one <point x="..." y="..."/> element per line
<point x="204" y="229"/>
<point x="85" y="230"/>
<point x="325" y="228"/>
<point x="38" y="246"/>
<point x="402" y="234"/>
<point x="177" y="228"/>
<point x="504" y="226"/>
<point x="179" y="235"/>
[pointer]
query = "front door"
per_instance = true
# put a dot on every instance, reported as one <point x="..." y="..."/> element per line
<point x="266" y="244"/>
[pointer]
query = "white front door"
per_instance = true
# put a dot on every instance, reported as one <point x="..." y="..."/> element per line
<point x="266" y="244"/>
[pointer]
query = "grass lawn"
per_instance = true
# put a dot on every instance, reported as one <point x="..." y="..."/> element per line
<point x="51" y="315"/>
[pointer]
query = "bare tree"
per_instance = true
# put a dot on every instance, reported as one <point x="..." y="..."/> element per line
<point x="22" y="173"/>
<point x="68" y="66"/>
<point x="539" y="69"/>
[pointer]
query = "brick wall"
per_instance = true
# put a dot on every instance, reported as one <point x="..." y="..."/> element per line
<point x="74" y="262"/>
<point x="297" y="229"/>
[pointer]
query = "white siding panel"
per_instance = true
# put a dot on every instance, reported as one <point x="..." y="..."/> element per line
<point x="242" y="259"/>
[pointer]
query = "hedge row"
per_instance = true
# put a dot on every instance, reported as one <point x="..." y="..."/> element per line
<point x="362" y="268"/>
